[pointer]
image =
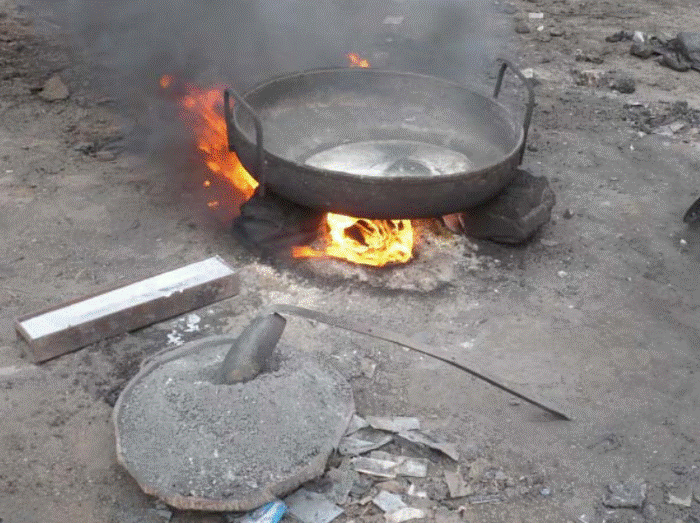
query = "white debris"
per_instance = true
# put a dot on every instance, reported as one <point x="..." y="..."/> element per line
<point x="413" y="491"/>
<point x="535" y="16"/>
<point x="404" y="514"/>
<point x="192" y="323"/>
<point x="393" y="20"/>
<point x="562" y="274"/>
<point x="684" y="499"/>
<point x="397" y="424"/>
<point x="405" y="465"/>
<point x="174" y="338"/>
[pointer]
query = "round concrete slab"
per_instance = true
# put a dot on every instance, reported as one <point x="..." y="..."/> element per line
<point x="198" y="445"/>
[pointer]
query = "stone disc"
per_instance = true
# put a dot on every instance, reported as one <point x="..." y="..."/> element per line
<point x="198" y="445"/>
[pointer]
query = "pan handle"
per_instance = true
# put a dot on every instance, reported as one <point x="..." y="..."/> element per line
<point x="505" y="64"/>
<point x="259" y="150"/>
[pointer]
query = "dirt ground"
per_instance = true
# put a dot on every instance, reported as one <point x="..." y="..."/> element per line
<point x="599" y="312"/>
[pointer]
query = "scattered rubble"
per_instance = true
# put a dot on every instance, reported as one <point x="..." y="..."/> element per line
<point x="681" y="53"/>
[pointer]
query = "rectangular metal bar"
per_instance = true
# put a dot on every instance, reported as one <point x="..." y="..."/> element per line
<point x="75" y="324"/>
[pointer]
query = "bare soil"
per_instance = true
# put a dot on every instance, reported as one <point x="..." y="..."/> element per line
<point x="599" y="312"/>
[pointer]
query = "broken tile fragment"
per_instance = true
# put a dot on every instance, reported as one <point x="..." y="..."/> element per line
<point x="456" y="484"/>
<point x="405" y="465"/>
<point x="375" y="467"/>
<point x="397" y="424"/>
<point x="311" y="507"/>
<point x="388" y="502"/>
<point x="356" y="423"/>
<point x="625" y="495"/>
<point x="343" y="478"/>
<point x="421" y="438"/>
<point x="361" y="443"/>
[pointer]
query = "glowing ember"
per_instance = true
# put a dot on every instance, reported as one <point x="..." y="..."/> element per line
<point x="166" y="81"/>
<point x="358" y="240"/>
<point x="356" y="61"/>
<point x="367" y="242"/>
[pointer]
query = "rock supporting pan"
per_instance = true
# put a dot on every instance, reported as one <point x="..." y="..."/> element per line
<point x="199" y="445"/>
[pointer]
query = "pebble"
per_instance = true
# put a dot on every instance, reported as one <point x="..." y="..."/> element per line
<point x="54" y="89"/>
<point x="522" y="28"/>
<point x="556" y="31"/>
<point x="546" y="492"/>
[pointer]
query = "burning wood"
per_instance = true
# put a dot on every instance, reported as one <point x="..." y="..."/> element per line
<point x="362" y="241"/>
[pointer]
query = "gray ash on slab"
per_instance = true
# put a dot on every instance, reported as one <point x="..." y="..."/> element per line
<point x="189" y="437"/>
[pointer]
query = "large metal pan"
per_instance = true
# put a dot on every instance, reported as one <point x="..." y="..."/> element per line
<point x="377" y="144"/>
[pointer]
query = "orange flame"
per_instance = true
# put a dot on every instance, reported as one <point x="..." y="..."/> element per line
<point x="166" y="81"/>
<point x="367" y="242"/>
<point x="358" y="240"/>
<point x="202" y="111"/>
<point x="356" y="61"/>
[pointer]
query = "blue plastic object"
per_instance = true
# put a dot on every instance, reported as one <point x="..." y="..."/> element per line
<point x="270" y="513"/>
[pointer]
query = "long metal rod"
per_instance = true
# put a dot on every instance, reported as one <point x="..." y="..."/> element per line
<point x="406" y="341"/>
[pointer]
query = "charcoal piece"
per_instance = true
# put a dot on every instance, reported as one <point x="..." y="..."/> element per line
<point x="272" y="224"/>
<point x="515" y="214"/>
